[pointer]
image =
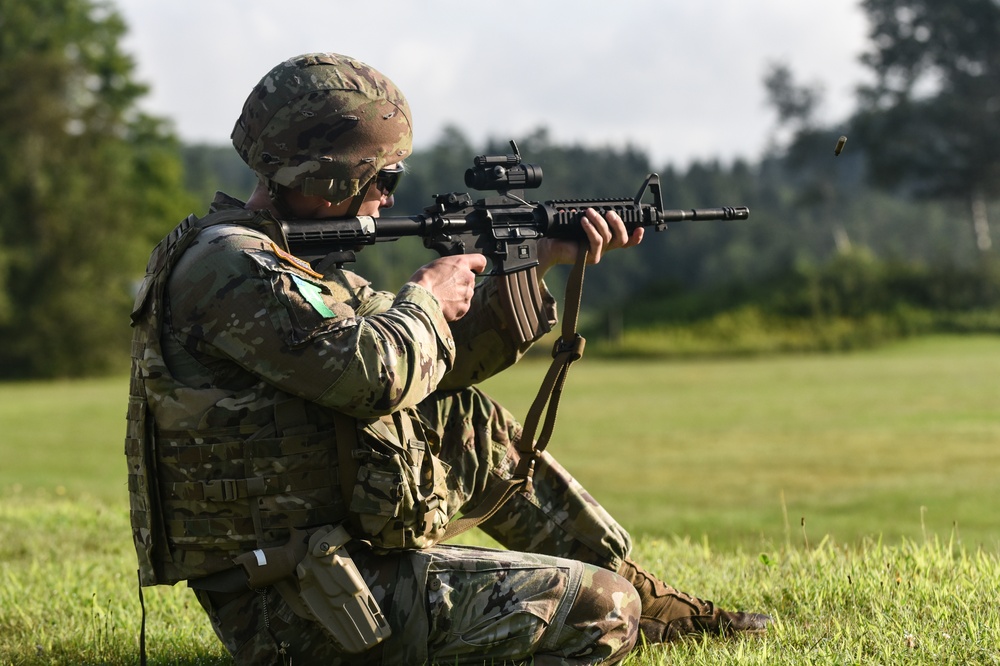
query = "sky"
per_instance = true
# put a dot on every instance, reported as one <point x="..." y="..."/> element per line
<point x="680" y="80"/>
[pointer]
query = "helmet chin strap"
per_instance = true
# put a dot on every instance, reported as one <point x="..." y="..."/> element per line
<point x="359" y="199"/>
<point x="281" y="206"/>
<point x="278" y="201"/>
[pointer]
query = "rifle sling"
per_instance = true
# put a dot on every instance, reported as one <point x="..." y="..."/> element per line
<point x="568" y="348"/>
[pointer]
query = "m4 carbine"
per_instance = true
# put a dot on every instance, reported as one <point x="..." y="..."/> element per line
<point x="505" y="228"/>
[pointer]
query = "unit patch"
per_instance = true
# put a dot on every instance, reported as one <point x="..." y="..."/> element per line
<point x="313" y="295"/>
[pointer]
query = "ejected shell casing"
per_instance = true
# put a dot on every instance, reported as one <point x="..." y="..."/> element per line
<point x="840" y="145"/>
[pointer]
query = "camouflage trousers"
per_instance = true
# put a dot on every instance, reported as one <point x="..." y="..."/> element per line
<point x="550" y="598"/>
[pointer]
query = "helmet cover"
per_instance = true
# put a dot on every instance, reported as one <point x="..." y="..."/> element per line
<point x="323" y="124"/>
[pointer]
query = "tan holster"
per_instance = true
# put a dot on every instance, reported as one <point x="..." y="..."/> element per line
<point x="326" y="587"/>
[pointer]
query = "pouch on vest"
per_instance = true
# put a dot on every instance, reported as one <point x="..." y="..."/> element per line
<point x="400" y="494"/>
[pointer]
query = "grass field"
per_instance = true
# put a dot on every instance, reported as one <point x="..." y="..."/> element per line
<point x="903" y="441"/>
<point x="854" y="497"/>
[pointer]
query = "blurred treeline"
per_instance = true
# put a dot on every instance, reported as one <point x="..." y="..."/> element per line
<point x="890" y="238"/>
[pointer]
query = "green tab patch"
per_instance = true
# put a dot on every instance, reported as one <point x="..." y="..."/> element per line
<point x="313" y="294"/>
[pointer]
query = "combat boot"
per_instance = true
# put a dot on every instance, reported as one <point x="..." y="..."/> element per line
<point x="668" y="614"/>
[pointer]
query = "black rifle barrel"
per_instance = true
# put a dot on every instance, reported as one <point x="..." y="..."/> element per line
<point x="725" y="213"/>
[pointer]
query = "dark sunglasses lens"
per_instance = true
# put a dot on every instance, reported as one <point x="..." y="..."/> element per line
<point x="388" y="180"/>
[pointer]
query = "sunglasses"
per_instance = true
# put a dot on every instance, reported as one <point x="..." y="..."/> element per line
<point x="387" y="180"/>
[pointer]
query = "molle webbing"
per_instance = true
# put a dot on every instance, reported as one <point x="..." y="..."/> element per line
<point x="198" y="495"/>
<point x="231" y="490"/>
<point x="169" y="250"/>
<point x="228" y="492"/>
<point x="144" y="510"/>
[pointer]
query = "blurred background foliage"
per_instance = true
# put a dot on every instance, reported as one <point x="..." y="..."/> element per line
<point x="891" y="238"/>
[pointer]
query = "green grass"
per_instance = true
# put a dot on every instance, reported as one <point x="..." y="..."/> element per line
<point x="901" y="441"/>
<point x="66" y="438"/>
<point x="854" y="497"/>
<point x="67" y="596"/>
<point x="68" y="590"/>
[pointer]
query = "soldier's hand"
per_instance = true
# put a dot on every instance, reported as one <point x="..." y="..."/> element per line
<point x="603" y="233"/>
<point x="452" y="280"/>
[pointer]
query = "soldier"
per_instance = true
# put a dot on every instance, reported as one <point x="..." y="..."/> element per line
<point x="297" y="441"/>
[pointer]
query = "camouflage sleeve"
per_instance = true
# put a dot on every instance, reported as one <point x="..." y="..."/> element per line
<point x="484" y="342"/>
<point x="330" y="339"/>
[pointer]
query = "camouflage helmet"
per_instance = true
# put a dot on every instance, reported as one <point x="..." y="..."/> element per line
<point x="323" y="124"/>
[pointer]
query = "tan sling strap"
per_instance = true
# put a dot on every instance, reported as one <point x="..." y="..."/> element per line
<point x="568" y="348"/>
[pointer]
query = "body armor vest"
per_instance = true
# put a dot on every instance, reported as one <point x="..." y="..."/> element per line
<point x="201" y="493"/>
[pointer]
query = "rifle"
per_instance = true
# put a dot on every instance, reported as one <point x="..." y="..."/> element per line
<point x="505" y="227"/>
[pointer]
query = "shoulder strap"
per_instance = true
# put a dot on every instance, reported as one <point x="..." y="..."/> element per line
<point x="169" y="250"/>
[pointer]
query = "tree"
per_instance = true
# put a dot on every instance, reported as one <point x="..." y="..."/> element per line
<point x="807" y="155"/>
<point x="795" y="104"/>
<point x="931" y="120"/>
<point x="210" y="168"/>
<point x="88" y="184"/>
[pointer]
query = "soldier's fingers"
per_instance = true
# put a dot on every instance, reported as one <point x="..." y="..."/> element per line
<point x="619" y="234"/>
<point x="475" y="262"/>
<point x="595" y="238"/>
<point x="600" y="225"/>
<point x="636" y="237"/>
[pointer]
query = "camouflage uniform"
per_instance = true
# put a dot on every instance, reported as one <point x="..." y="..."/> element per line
<point x="245" y="329"/>
<point x="269" y="401"/>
